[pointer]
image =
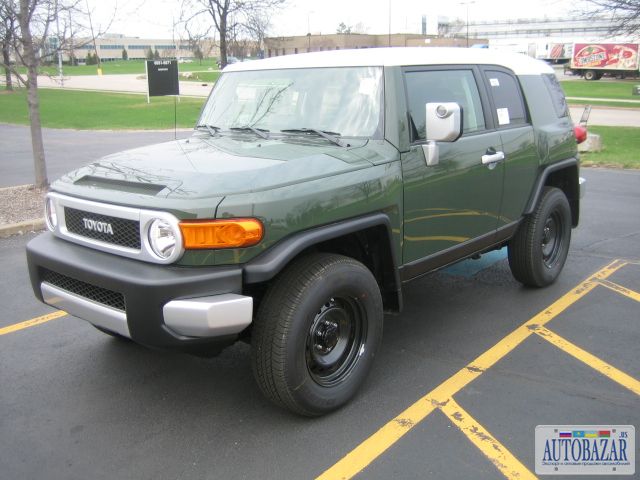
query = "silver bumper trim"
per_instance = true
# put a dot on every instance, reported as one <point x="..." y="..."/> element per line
<point x="100" y="315"/>
<point x="583" y="186"/>
<point x="211" y="316"/>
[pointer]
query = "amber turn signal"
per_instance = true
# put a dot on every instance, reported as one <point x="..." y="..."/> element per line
<point x="225" y="233"/>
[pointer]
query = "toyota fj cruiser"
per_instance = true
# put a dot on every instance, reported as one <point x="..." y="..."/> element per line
<point x="313" y="187"/>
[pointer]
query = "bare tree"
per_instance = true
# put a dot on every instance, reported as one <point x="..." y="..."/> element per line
<point x="32" y="24"/>
<point x="257" y="26"/>
<point x="7" y="30"/>
<point x="229" y="15"/>
<point x="625" y="15"/>
<point x="195" y="35"/>
<point x="344" y="29"/>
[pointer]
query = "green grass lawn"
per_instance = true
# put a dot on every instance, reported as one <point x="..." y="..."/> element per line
<point x="120" y="67"/>
<point x="97" y="110"/>
<point x="610" y="89"/>
<point x="204" y="77"/>
<point x="620" y="148"/>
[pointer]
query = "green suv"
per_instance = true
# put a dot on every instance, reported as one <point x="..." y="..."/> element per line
<point x="312" y="189"/>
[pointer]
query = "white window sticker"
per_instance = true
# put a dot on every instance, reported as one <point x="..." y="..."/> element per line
<point x="494" y="82"/>
<point x="503" y="116"/>
<point x="367" y="86"/>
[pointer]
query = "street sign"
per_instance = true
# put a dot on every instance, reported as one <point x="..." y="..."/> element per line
<point x="162" y="78"/>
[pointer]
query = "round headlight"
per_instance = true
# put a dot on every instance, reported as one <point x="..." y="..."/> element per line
<point x="162" y="238"/>
<point x="50" y="215"/>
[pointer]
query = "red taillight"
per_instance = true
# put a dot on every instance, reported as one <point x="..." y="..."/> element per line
<point x="580" y="132"/>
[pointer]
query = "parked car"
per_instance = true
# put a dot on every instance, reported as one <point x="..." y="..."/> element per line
<point x="314" y="187"/>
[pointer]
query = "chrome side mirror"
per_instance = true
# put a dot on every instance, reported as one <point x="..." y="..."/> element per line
<point x="443" y="124"/>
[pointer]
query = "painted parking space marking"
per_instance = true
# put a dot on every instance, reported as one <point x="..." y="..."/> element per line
<point x="32" y="323"/>
<point x="594" y="362"/>
<point x="620" y="289"/>
<point x="502" y="458"/>
<point x="441" y="398"/>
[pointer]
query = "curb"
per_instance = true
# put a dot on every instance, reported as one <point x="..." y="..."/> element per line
<point x="21" y="228"/>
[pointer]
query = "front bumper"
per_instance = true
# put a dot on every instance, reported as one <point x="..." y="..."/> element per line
<point x="162" y="306"/>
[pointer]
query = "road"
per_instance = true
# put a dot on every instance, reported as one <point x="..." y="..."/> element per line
<point x="65" y="149"/>
<point x="77" y="404"/>
<point x="118" y="83"/>
<point x="609" y="117"/>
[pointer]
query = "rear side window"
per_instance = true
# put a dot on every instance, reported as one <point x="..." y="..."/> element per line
<point x="557" y="95"/>
<point x="507" y="98"/>
<point x="443" y="86"/>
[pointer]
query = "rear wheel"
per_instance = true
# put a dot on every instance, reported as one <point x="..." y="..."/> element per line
<point x="539" y="249"/>
<point x="316" y="334"/>
<point x="591" y="75"/>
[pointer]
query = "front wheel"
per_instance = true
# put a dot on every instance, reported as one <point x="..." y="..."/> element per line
<point x="539" y="249"/>
<point x="316" y="334"/>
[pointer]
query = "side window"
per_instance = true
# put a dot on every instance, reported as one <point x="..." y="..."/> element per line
<point x="507" y="98"/>
<point x="557" y="95"/>
<point x="443" y="86"/>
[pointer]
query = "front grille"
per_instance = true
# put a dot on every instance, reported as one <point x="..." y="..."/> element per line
<point x="126" y="233"/>
<point x="91" y="292"/>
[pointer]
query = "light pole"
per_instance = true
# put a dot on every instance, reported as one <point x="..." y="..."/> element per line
<point x="309" y="30"/>
<point x="466" y="4"/>
<point x="389" y="22"/>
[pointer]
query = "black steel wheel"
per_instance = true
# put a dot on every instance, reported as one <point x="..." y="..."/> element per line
<point x="335" y="337"/>
<point x="316" y="333"/>
<point x="539" y="249"/>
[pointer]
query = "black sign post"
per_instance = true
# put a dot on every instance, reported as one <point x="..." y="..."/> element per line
<point x="162" y="78"/>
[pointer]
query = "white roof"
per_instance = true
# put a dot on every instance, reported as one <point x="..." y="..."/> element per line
<point x="398" y="56"/>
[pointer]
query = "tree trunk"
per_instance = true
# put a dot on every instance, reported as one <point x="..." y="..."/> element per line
<point x="31" y="61"/>
<point x="223" y="41"/>
<point x="7" y="72"/>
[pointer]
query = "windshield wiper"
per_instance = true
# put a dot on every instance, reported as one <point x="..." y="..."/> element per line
<point x="212" y="129"/>
<point x="261" y="132"/>
<point x="331" y="136"/>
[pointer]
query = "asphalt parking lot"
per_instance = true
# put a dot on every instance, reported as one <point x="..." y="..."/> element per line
<point x="466" y="373"/>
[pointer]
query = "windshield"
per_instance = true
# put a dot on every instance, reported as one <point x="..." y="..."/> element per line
<point x="346" y="101"/>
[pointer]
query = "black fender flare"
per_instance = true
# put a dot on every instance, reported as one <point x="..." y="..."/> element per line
<point x="541" y="181"/>
<point x="268" y="264"/>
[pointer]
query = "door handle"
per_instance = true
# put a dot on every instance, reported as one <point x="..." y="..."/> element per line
<point x="490" y="158"/>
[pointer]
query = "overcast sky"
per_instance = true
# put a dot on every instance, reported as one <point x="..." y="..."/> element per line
<point x="154" y="18"/>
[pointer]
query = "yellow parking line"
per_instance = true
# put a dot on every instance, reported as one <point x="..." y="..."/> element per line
<point x="374" y="446"/>
<point x="502" y="458"/>
<point x="620" y="289"/>
<point x="32" y="323"/>
<point x="594" y="362"/>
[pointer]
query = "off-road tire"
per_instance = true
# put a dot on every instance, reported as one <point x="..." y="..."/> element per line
<point x="316" y="333"/>
<point x="539" y="249"/>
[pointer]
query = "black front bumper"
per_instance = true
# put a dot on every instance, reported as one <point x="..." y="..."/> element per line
<point x="145" y="287"/>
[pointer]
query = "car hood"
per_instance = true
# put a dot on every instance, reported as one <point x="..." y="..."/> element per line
<point x="203" y="166"/>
